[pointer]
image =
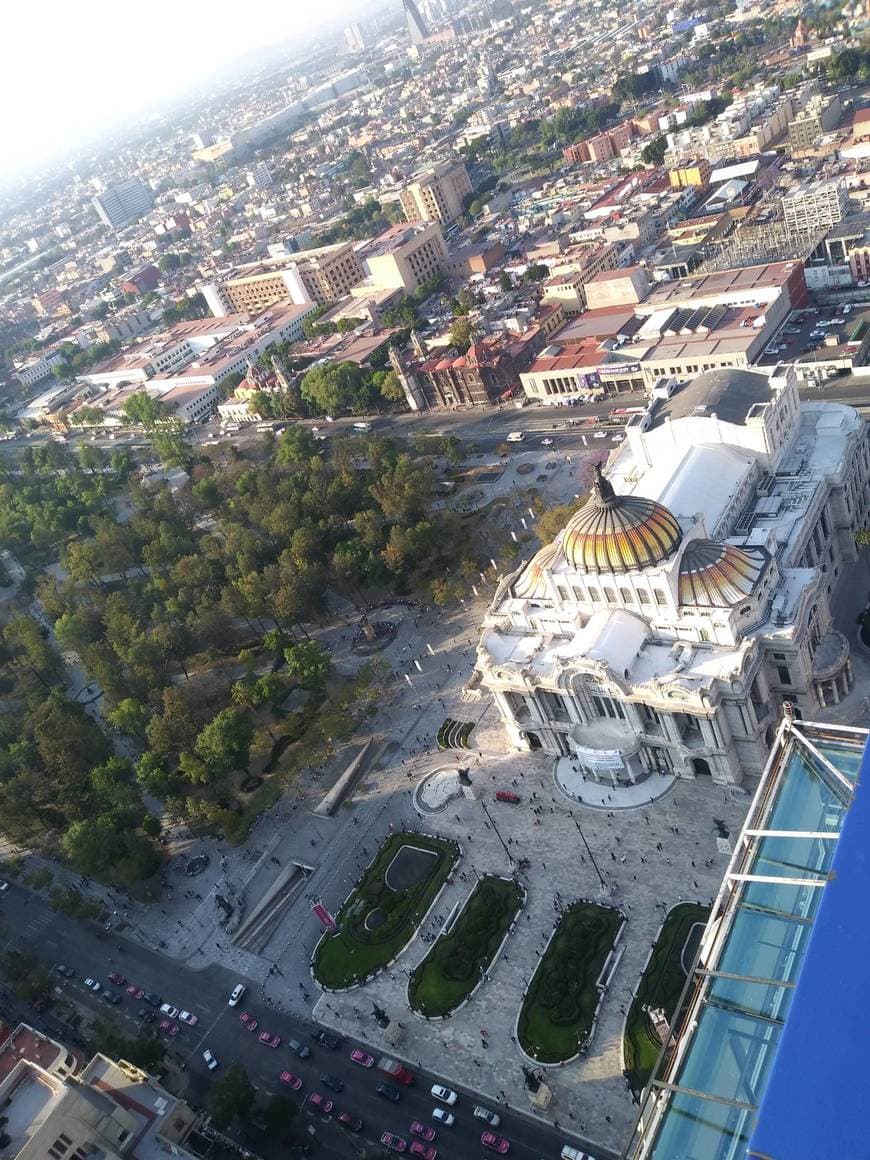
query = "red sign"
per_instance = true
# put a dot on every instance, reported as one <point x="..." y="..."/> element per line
<point x="325" y="917"/>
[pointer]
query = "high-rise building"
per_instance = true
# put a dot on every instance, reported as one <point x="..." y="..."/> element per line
<point x="354" y="38"/>
<point x="437" y="195"/>
<point x="123" y="202"/>
<point x="259" y="177"/>
<point x="417" y="30"/>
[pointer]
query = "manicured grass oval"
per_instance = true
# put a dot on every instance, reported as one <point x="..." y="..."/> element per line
<point x="559" y="1007"/>
<point x="458" y="960"/>
<point x="380" y="915"/>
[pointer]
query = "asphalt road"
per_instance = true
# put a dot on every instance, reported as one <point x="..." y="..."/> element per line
<point x="31" y="924"/>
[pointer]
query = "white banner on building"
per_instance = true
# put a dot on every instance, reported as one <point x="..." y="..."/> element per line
<point x="600" y="759"/>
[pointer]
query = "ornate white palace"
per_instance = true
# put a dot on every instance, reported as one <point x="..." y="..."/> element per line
<point x="690" y="596"/>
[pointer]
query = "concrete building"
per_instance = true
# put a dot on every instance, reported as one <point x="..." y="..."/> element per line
<point x="122" y="203"/>
<point x="821" y="115"/>
<point x="690" y="597"/>
<point x="320" y="275"/>
<point x="110" y="1109"/>
<point x="141" y="281"/>
<point x="38" y="369"/>
<point x="259" y="177"/>
<point x="436" y="195"/>
<point x="404" y="256"/>
<point x="815" y="205"/>
<point x="417" y="31"/>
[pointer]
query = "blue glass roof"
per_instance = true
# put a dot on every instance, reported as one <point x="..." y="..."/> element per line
<point x="813" y="1106"/>
<point x="703" y="1102"/>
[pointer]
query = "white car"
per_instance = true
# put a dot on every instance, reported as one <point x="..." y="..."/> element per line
<point x="188" y="1017"/>
<point x="599" y="434"/>
<point x="92" y="985"/>
<point x="443" y="1117"/>
<point x="210" y="1062"/>
<point x="547" y="442"/>
<point x="168" y="1010"/>
<point x="444" y="1094"/>
<point x="488" y="1117"/>
<point x="236" y="997"/>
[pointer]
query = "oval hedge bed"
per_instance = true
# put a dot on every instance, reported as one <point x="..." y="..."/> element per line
<point x="359" y="949"/>
<point x="660" y="985"/>
<point x="559" y="1007"/>
<point x="456" y="962"/>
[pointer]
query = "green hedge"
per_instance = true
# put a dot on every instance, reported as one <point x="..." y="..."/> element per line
<point x="456" y="962"/>
<point x="660" y="986"/>
<point x="355" y="952"/>
<point x="560" y="1004"/>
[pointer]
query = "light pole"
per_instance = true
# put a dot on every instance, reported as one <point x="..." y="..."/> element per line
<point x="601" y="878"/>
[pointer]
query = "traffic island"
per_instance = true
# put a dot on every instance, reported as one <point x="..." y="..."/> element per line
<point x="381" y="914"/>
<point x="654" y="1008"/>
<point x="455" y="966"/>
<point x="560" y="1008"/>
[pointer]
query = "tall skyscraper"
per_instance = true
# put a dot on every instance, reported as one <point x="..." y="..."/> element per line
<point x="417" y="30"/>
<point x="123" y="202"/>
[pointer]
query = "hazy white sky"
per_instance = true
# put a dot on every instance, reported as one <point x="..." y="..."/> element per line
<point x="69" y="66"/>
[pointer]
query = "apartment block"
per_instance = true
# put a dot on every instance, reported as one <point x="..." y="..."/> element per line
<point x="436" y="195"/>
<point x="820" y="116"/>
<point x="123" y="202"/>
<point x="404" y="256"/>
<point x="321" y="275"/>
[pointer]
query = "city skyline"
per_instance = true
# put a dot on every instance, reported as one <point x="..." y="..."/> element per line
<point x="92" y="82"/>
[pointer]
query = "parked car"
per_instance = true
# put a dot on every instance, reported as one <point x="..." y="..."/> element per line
<point x="488" y="1117"/>
<point x="352" y="1123"/>
<point x="423" y="1131"/>
<point x="65" y="972"/>
<point x="425" y="1151"/>
<point x="443" y="1117"/>
<point x="117" y="978"/>
<point x="332" y="1082"/>
<point x="292" y="1081"/>
<point x="300" y="1049"/>
<point x="93" y="985"/>
<point x="168" y="1010"/>
<point x="168" y="1026"/>
<point x="146" y="1016"/>
<point x="269" y="1040"/>
<point x="111" y="997"/>
<point x="151" y="998"/>
<point x="248" y="1021"/>
<point x="495" y="1143"/>
<point x="389" y="1091"/>
<point x="135" y="992"/>
<point x="394" y="1143"/>
<point x="444" y="1094"/>
<point x="362" y="1058"/>
<point x="328" y="1039"/>
<point x="320" y="1103"/>
<point x="188" y="1017"/>
<point x="210" y="1062"/>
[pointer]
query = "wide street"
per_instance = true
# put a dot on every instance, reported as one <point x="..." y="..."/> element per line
<point x="32" y="924"/>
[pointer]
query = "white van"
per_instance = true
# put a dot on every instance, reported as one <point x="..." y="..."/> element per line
<point x="362" y="426"/>
<point x="569" y="1153"/>
<point x="516" y="437"/>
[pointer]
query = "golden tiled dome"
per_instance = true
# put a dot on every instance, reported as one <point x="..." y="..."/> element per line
<point x="619" y="533"/>
<point x="531" y="582"/>
<point x="714" y="575"/>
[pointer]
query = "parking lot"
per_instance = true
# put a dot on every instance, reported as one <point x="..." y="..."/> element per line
<point x="802" y="335"/>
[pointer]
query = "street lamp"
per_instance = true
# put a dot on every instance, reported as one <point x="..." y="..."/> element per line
<point x="601" y="878"/>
